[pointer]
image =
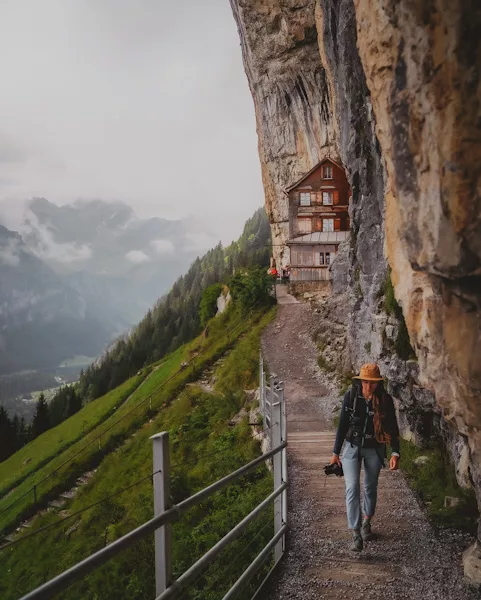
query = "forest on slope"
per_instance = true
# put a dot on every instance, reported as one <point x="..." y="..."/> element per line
<point x="175" y="318"/>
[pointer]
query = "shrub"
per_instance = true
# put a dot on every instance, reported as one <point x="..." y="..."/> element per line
<point x="208" y="303"/>
<point x="253" y="287"/>
<point x="402" y="345"/>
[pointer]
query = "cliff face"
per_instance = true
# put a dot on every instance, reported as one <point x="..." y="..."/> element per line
<point x="422" y="65"/>
<point x="291" y="97"/>
<point x="394" y="91"/>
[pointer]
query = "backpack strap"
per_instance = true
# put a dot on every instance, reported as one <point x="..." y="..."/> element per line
<point x="353" y="404"/>
<point x="353" y="398"/>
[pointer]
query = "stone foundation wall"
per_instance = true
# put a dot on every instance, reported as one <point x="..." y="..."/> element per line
<point x="300" y="287"/>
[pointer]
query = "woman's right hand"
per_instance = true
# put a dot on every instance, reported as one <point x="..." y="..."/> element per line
<point x="335" y="459"/>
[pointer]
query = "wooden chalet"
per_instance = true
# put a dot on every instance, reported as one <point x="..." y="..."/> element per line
<point x="318" y="220"/>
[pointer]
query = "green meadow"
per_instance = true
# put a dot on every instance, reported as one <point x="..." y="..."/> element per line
<point x="209" y="438"/>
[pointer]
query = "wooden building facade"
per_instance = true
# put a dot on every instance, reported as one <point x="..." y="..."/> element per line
<point x="318" y="220"/>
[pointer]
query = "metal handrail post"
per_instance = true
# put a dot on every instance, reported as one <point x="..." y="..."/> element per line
<point x="261" y="384"/>
<point x="271" y="416"/>
<point x="285" y="477"/>
<point x="163" y="535"/>
<point x="264" y="387"/>
<point x="277" y="468"/>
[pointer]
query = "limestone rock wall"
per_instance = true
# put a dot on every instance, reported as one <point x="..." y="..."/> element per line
<point x="291" y="98"/>
<point x="422" y="62"/>
<point x="392" y="88"/>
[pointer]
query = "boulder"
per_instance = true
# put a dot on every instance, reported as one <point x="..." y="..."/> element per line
<point x="472" y="564"/>
<point x="420" y="461"/>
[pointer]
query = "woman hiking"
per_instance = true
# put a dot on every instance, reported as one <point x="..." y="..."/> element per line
<point x="367" y="423"/>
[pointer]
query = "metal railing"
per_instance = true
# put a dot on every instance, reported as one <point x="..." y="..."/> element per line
<point x="272" y="401"/>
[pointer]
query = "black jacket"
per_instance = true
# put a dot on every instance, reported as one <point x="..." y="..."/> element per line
<point x="389" y="422"/>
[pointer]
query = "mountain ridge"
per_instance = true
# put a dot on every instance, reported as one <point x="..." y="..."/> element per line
<point x="82" y="274"/>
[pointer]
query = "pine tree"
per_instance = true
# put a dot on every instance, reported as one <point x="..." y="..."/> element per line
<point x="7" y="440"/>
<point x="22" y="435"/>
<point x="74" y="402"/>
<point x="41" y="419"/>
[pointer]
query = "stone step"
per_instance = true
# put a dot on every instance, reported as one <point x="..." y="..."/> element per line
<point x="70" y="493"/>
<point x="57" y="503"/>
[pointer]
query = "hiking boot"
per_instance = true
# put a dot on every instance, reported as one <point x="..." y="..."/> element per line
<point x="357" y="543"/>
<point x="366" y="532"/>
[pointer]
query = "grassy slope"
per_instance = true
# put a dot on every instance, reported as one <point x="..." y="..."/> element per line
<point x="45" y="445"/>
<point x="29" y="458"/>
<point x="204" y="447"/>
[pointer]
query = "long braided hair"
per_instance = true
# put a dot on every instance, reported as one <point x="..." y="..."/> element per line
<point x="378" y="405"/>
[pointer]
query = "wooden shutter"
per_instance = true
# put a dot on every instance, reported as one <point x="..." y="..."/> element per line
<point x="337" y="224"/>
<point x="336" y="196"/>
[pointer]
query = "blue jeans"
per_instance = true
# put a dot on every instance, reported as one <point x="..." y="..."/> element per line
<point x="352" y="474"/>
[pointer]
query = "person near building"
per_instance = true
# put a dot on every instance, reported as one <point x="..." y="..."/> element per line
<point x="367" y="425"/>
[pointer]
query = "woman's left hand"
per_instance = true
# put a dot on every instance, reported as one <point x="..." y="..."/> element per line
<point x="394" y="463"/>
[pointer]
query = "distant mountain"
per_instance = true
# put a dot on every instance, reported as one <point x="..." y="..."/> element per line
<point x="104" y="246"/>
<point x="76" y="276"/>
<point x="42" y="319"/>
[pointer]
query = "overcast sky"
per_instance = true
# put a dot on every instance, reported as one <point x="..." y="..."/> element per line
<point x="144" y="101"/>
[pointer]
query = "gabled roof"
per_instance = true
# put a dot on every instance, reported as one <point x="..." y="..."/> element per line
<point x="294" y="185"/>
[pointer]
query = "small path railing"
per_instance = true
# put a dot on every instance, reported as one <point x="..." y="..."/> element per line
<point x="272" y="406"/>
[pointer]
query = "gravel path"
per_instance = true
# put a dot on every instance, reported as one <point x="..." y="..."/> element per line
<point x="407" y="560"/>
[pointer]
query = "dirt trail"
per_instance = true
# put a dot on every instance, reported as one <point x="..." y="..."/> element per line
<point x="407" y="560"/>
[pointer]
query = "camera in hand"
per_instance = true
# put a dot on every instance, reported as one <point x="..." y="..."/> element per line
<point x="334" y="469"/>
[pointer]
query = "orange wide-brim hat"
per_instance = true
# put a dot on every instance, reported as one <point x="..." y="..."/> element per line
<point x="369" y="372"/>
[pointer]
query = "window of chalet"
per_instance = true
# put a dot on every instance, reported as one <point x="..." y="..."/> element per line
<point x="303" y="258"/>
<point x="304" y="225"/>
<point x="305" y="199"/>
<point x="307" y="258"/>
<point x="331" y="197"/>
<point x="321" y="258"/>
<point x="327" y="198"/>
<point x="327" y="171"/>
<point x="327" y="224"/>
<point x="328" y="258"/>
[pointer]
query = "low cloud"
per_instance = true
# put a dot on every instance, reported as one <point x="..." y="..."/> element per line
<point x="137" y="256"/>
<point x="10" y="150"/>
<point x="46" y="248"/>
<point x="67" y="253"/>
<point x="9" y="254"/>
<point x="163" y="246"/>
<point x="199" y="242"/>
